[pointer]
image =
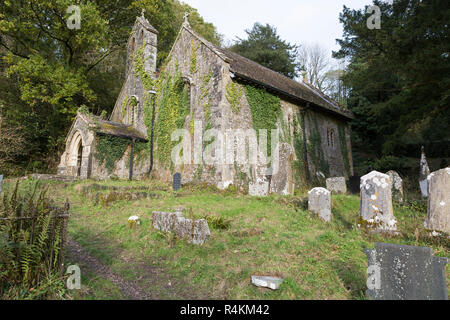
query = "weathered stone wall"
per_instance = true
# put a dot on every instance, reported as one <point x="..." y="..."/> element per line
<point x="331" y="136"/>
<point x="210" y="99"/>
<point x="80" y="133"/>
<point x="125" y="110"/>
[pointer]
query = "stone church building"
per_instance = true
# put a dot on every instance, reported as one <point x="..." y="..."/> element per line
<point x="218" y="89"/>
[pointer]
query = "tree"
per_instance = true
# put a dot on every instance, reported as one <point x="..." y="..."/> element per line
<point x="49" y="70"/>
<point x="315" y="63"/>
<point x="264" y="45"/>
<point x="399" y="75"/>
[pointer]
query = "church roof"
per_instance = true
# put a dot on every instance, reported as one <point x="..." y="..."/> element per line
<point x="253" y="72"/>
<point x="119" y="130"/>
<point x="112" y="128"/>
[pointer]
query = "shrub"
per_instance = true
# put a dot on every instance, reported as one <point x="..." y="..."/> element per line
<point x="32" y="235"/>
<point x="387" y="163"/>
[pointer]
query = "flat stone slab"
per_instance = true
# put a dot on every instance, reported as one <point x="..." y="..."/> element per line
<point x="399" y="272"/>
<point x="267" y="282"/>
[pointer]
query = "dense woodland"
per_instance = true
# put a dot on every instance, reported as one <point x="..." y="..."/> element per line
<point x="395" y="79"/>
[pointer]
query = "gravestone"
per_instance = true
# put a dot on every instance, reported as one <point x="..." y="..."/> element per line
<point x="177" y="181"/>
<point x="319" y="201"/>
<point x="194" y="231"/>
<point x="376" y="208"/>
<point x="399" y="272"/>
<point x="336" y="185"/>
<point x="259" y="187"/>
<point x="353" y="184"/>
<point x="1" y="183"/>
<point x="424" y="172"/>
<point x="396" y="185"/>
<point x="438" y="212"/>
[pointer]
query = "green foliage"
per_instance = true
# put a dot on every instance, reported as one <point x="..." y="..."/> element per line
<point x="194" y="48"/>
<point x="32" y="234"/>
<point x="234" y="94"/>
<point x="344" y="148"/>
<point x="110" y="149"/>
<point x="264" y="45"/>
<point x="299" y="164"/>
<point x="265" y="109"/>
<point x="399" y="75"/>
<point x="314" y="147"/>
<point x="387" y="163"/>
<point x="48" y="70"/>
<point x="173" y="108"/>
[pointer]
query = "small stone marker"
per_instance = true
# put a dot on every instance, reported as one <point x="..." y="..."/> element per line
<point x="319" y="201"/>
<point x="438" y="212"/>
<point x="376" y="202"/>
<point x="396" y="185"/>
<point x="398" y="272"/>
<point x="1" y="183"/>
<point x="267" y="282"/>
<point x="336" y="185"/>
<point x="424" y="172"/>
<point x="177" y="181"/>
<point x="194" y="231"/>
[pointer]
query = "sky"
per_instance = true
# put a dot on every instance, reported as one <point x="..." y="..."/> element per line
<point x="297" y="21"/>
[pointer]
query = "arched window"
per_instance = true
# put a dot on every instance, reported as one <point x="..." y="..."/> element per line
<point x="133" y="44"/>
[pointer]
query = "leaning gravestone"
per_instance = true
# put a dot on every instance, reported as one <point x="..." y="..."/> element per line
<point x="398" y="272"/>
<point x="177" y="181"/>
<point x="336" y="185"/>
<point x="396" y="185"/>
<point x="376" y="208"/>
<point x="1" y="183"/>
<point x="438" y="212"/>
<point x="424" y="172"/>
<point x="319" y="201"/>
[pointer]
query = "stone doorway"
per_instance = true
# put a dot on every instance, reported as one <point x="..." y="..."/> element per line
<point x="79" y="159"/>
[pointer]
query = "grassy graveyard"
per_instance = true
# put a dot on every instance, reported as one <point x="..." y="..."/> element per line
<point x="274" y="236"/>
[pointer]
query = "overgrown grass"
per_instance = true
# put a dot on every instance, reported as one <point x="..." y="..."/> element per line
<point x="253" y="236"/>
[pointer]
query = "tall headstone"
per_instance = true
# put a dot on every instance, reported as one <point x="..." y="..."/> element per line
<point x="336" y="185"/>
<point x="438" y="212"/>
<point x="398" y="272"/>
<point x="319" y="201"/>
<point x="396" y="185"/>
<point x="376" y="208"/>
<point x="424" y="172"/>
<point x="1" y="183"/>
<point x="177" y="181"/>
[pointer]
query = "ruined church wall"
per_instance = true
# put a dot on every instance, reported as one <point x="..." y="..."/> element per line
<point x="328" y="145"/>
<point x="205" y="73"/>
<point x="209" y="78"/>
